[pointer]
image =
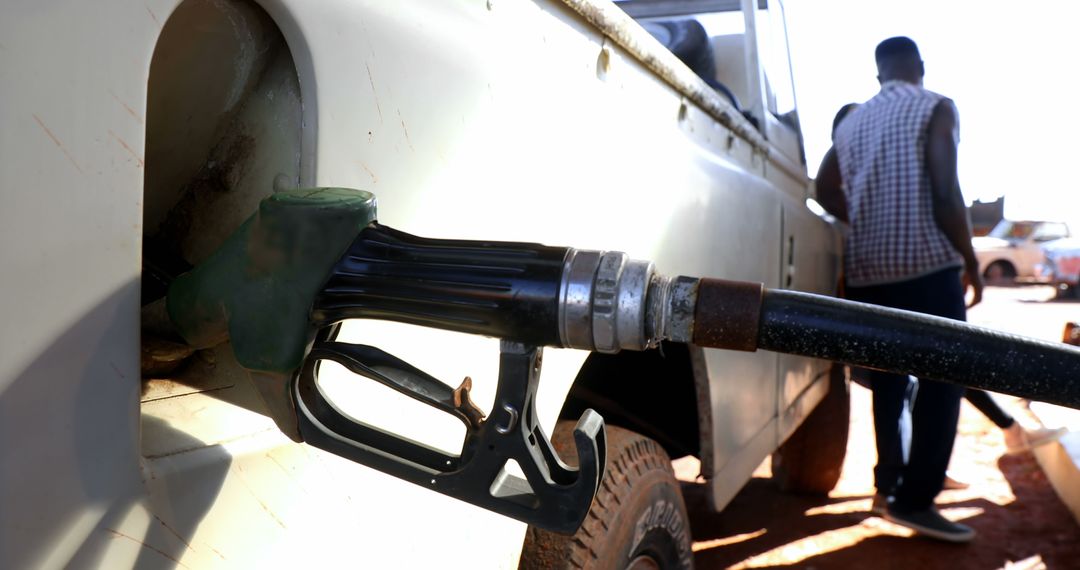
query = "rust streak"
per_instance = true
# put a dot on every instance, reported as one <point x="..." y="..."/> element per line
<point x="147" y="546"/>
<point x="130" y="150"/>
<point x="406" y="129"/>
<point x="287" y="472"/>
<point x="59" y="145"/>
<point x="374" y="179"/>
<point x="329" y="472"/>
<point x="173" y="531"/>
<point x="374" y="92"/>
<point x="127" y="108"/>
<point x="152" y="16"/>
<point x="217" y="552"/>
<point x="261" y="503"/>
<point x="269" y="512"/>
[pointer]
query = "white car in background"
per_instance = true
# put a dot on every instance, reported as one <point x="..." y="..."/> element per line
<point x="1013" y="249"/>
<point x="1061" y="265"/>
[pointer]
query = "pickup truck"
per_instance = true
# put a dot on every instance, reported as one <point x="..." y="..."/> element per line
<point x="138" y="136"/>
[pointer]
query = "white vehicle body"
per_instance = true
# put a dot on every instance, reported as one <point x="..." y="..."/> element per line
<point x="1013" y="249"/>
<point x="1061" y="266"/>
<point x="499" y="119"/>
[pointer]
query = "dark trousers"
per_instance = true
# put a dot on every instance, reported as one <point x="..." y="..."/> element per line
<point x="914" y="478"/>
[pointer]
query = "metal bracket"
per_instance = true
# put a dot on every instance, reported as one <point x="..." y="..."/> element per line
<point x="551" y="495"/>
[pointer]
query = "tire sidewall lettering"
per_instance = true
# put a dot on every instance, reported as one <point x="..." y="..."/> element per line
<point x="663" y="515"/>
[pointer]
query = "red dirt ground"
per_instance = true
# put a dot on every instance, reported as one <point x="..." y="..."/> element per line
<point x="1020" y="522"/>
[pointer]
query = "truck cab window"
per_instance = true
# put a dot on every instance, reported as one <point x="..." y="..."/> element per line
<point x="709" y="37"/>
<point x="775" y="59"/>
<point x="743" y="56"/>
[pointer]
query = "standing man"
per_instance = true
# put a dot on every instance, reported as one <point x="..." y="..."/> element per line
<point x="891" y="174"/>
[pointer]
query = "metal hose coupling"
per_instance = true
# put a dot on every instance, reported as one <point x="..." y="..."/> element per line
<point x="609" y="302"/>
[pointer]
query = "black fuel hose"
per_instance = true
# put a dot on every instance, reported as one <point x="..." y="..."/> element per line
<point x="922" y="345"/>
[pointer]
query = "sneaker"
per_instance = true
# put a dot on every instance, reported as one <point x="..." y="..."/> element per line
<point x="1019" y="439"/>
<point x="929" y="522"/>
<point x="879" y="505"/>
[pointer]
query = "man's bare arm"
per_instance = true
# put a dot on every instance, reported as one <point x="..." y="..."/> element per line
<point x="950" y="212"/>
<point x="829" y="187"/>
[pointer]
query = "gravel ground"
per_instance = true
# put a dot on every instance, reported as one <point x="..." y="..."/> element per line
<point x="1019" y="520"/>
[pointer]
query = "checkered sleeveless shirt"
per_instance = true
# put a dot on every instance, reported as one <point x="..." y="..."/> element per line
<point x="881" y="147"/>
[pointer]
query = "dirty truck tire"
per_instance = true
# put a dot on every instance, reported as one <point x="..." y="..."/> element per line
<point x="809" y="462"/>
<point x="637" y="521"/>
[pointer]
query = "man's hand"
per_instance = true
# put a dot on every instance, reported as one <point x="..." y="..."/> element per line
<point x="973" y="279"/>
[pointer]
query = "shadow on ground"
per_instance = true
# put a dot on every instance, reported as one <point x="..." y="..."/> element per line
<point x="765" y="528"/>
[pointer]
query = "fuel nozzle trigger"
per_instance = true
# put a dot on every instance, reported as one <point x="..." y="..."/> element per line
<point x="551" y="495"/>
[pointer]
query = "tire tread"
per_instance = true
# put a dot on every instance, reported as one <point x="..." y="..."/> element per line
<point x="631" y="456"/>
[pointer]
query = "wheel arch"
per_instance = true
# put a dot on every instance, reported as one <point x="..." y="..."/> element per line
<point x="660" y="393"/>
<point x="1007" y="264"/>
